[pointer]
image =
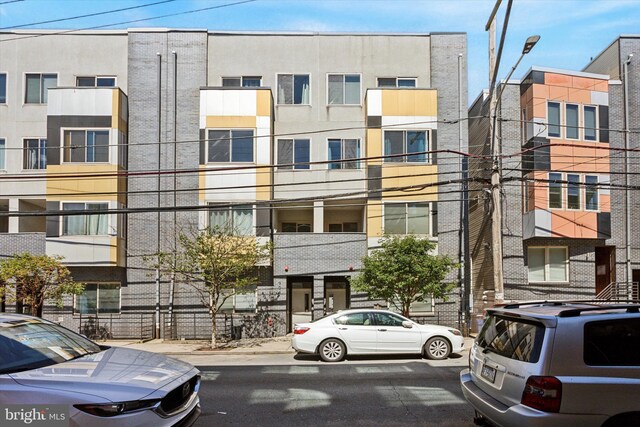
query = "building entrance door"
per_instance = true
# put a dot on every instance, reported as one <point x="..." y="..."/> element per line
<point x="300" y="290"/>
<point x="336" y="294"/>
<point x="605" y="267"/>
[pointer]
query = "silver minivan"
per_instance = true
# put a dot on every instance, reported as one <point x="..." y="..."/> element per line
<point x="556" y="364"/>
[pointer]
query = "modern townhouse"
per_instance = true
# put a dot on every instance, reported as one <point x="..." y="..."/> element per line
<point x="318" y="143"/>
<point x="563" y="186"/>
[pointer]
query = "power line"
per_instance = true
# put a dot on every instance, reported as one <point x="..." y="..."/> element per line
<point x="85" y="16"/>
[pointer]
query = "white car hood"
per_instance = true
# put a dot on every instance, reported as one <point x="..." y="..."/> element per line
<point x="116" y="374"/>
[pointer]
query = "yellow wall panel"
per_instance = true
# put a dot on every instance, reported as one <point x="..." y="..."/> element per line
<point x="231" y="122"/>
<point x="263" y="178"/>
<point x="374" y="218"/>
<point x="407" y="176"/>
<point x="82" y="189"/>
<point x="374" y="145"/>
<point x="409" y="102"/>
<point x="202" y="182"/>
<point x="263" y="103"/>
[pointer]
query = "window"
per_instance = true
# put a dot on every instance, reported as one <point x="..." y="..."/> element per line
<point x="387" y="319"/>
<point x="513" y="338"/>
<point x="416" y="307"/>
<point x="238" y="219"/>
<point x="396" y="82"/>
<point x="407" y="218"/>
<point x="241" y="302"/>
<point x="96" y="81"/>
<point x="573" y="191"/>
<point x="555" y="191"/>
<point x="547" y="264"/>
<point x="235" y="145"/>
<point x="244" y="81"/>
<point x="294" y="151"/>
<point x="590" y="123"/>
<point x="90" y="146"/>
<point x="553" y="119"/>
<point x="591" y="193"/>
<point x="98" y="298"/>
<point x="3" y="149"/>
<point x="293" y="227"/>
<point x="85" y="225"/>
<point x="341" y="149"/>
<point x="37" y="86"/>
<point x="343" y="89"/>
<point x="3" y="88"/>
<point x="293" y="89"/>
<point x="612" y="342"/>
<point x="35" y="153"/>
<point x="355" y="319"/>
<point x="405" y="142"/>
<point x="572" y="121"/>
<point x="345" y="227"/>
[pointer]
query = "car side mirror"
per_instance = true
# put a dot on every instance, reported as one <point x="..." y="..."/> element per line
<point x="407" y="324"/>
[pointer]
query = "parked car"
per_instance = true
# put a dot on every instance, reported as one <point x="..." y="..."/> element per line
<point x="42" y="363"/>
<point x="556" y="364"/>
<point x="373" y="332"/>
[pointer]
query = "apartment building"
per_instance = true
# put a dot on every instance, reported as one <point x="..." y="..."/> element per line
<point x="317" y="143"/>
<point x="561" y="134"/>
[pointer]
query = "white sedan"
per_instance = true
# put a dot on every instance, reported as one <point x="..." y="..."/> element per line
<point x="374" y="332"/>
<point x="43" y="365"/>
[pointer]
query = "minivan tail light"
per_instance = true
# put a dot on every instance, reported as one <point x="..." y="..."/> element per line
<point x="543" y="393"/>
<point x="299" y="330"/>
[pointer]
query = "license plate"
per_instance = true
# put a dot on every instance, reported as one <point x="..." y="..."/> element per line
<point x="489" y="373"/>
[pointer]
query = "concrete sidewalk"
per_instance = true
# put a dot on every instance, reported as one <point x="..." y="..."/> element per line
<point x="247" y="346"/>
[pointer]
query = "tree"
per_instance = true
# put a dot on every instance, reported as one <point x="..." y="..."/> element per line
<point x="218" y="264"/>
<point x="33" y="279"/>
<point x="404" y="270"/>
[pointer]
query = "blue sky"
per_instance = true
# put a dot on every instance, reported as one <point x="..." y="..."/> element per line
<point x="572" y="31"/>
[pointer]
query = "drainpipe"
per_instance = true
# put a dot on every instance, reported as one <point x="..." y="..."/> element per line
<point x="175" y="218"/>
<point x="157" y="314"/>
<point x="628" y="272"/>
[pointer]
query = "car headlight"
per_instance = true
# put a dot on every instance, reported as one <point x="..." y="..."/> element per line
<point x="117" y="408"/>
<point x="455" y="332"/>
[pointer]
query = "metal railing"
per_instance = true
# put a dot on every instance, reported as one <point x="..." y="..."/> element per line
<point x="620" y="291"/>
<point x="138" y="326"/>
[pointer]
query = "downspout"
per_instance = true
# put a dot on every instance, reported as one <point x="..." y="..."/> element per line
<point x="157" y="313"/>
<point x="175" y="214"/>
<point x="628" y="270"/>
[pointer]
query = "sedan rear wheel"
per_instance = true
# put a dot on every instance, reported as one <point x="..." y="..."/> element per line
<point x="332" y="350"/>
<point x="437" y="348"/>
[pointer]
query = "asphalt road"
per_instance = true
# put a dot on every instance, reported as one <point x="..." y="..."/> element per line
<point x="280" y="390"/>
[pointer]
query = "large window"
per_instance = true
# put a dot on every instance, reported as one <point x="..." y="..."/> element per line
<point x="555" y="191"/>
<point x="90" y="146"/>
<point x="96" y="81"/>
<point x="243" y="81"/>
<point x="406" y="142"/>
<point x="85" y="225"/>
<point x="407" y="218"/>
<point x="35" y="153"/>
<point x="397" y="82"/>
<point x="572" y="121"/>
<point x="37" y="86"/>
<point x="3" y="149"/>
<point x="98" y="298"/>
<point x="341" y="149"/>
<point x="296" y="227"/>
<point x="293" y="89"/>
<point x="547" y="264"/>
<point x="238" y="219"/>
<point x="3" y="88"/>
<point x="573" y="191"/>
<point x="591" y="193"/>
<point x="294" y="153"/>
<point x="553" y="119"/>
<point x="244" y="302"/>
<point x="235" y="145"/>
<point x="590" y="123"/>
<point x="343" y="89"/>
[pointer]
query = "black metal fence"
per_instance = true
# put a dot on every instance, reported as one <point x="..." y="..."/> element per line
<point x="139" y="326"/>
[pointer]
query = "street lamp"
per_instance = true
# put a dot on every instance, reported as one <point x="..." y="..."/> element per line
<point x="496" y="183"/>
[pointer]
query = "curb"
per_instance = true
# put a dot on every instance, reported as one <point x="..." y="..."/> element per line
<point x="225" y="353"/>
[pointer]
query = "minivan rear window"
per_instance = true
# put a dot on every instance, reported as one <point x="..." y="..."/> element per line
<point x="516" y="339"/>
<point x="612" y="343"/>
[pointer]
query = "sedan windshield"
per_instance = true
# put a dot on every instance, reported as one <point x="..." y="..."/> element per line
<point x="29" y="344"/>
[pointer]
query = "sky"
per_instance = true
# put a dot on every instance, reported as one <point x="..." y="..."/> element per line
<point x="572" y="31"/>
